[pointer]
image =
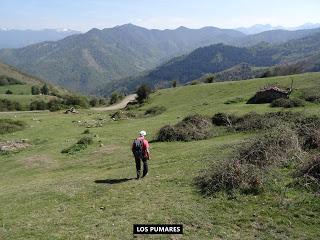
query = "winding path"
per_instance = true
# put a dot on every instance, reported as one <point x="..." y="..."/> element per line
<point x="119" y="105"/>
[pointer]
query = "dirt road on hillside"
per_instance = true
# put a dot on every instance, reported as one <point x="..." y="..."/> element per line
<point x="119" y="105"/>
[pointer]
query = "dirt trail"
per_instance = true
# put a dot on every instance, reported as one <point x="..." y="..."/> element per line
<point x="119" y="105"/>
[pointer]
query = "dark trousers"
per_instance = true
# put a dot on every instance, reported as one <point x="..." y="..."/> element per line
<point x="138" y="165"/>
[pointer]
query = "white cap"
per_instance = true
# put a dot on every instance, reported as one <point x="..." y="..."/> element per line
<point x="143" y="133"/>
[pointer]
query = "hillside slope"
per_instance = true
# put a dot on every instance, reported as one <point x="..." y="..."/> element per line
<point x="92" y="194"/>
<point x="219" y="57"/>
<point x="19" y="90"/>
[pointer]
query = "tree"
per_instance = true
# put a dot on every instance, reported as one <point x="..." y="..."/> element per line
<point x="210" y="79"/>
<point x="143" y="93"/>
<point x="94" y="102"/>
<point x="35" y="90"/>
<point x="115" y="97"/>
<point x="174" y="83"/>
<point x="45" y="89"/>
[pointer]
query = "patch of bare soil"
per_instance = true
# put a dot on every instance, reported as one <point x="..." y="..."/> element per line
<point x="39" y="161"/>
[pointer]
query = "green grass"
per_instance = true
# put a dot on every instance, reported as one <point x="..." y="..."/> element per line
<point x="16" y="89"/>
<point x="25" y="100"/>
<point x="48" y="195"/>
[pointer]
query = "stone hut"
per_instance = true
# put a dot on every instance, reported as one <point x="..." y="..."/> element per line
<point x="268" y="94"/>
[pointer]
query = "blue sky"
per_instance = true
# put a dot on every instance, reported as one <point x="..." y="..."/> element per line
<point x="86" y="14"/>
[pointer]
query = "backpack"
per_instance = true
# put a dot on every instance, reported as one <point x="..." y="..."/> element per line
<point x="138" y="147"/>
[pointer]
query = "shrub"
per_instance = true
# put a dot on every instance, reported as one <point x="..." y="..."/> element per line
<point x="229" y="176"/>
<point x="288" y="103"/>
<point x="115" y="97"/>
<point x="277" y="146"/>
<point x="143" y="93"/>
<point x="253" y="121"/>
<point x="87" y="131"/>
<point x="55" y="105"/>
<point x="120" y="115"/>
<point x="85" y="140"/>
<point x="94" y="102"/>
<point x="223" y="119"/>
<point x="311" y="94"/>
<point x="76" y="100"/>
<point x="157" y="110"/>
<point x="195" y="127"/>
<point x="195" y="82"/>
<point x="9" y="125"/>
<point x="8" y="105"/>
<point x="38" y="105"/>
<point x="80" y="145"/>
<point x="174" y="83"/>
<point x="9" y="92"/>
<point x="210" y="79"/>
<point x="309" y="173"/>
<point x="35" y="90"/>
<point x="45" y="89"/>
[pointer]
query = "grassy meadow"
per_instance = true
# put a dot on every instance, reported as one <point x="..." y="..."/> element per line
<point x="45" y="194"/>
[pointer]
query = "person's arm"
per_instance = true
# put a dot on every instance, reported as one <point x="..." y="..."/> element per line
<point x="147" y="146"/>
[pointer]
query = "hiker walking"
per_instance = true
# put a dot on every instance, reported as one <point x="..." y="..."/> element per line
<point x="140" y="150"/>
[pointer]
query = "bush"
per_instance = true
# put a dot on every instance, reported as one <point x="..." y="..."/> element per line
<point x="311" y="94"/>
<point x="94" y="102"/>
<point x="195" y="127"/>
<point x="9" y="125"/>
<point x="38" y="105"/>
<point x="35" y="90"/>
<point x="309" y="173"/>
<point x="8" y="105"/>
<point x="87" y="131"/>
<point x="56" y="105"/>
<point x="229" y="176"/>
<point x="155" y="111"/>
<point x="121" y="115"/>
<point x="195" y="82"/>
<point x="45" y="89"/>
<point x="76" y="101"/>
<point x="143" y="93"/>
<point x="288" y="103"/>
<point x="223" y="119"/>
<point x="80" y="145"/>
<point x="9" y="92"/>
<point x="277" y="146"/>
<point x="115" y="97"/>
<point x="85" y="140"/>
<point x="253" y="121"/>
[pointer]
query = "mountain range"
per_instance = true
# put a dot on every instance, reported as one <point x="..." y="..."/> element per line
<point x="20" y="38"/>
<point x="91" y="61"/>
<point x="258" y="28"/>
<point x="232" y="63"/>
